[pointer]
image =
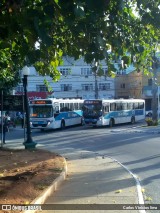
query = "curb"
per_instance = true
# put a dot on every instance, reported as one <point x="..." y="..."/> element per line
<point x="52" y="188"/>
<point x="138" y="185"/>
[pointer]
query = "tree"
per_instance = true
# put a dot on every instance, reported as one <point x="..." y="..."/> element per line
<point x="40" y="32"/>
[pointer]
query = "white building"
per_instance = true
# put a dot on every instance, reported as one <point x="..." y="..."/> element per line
<point x="77" y="81"/>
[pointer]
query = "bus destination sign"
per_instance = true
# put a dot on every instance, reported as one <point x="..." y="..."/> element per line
<point x="92" y="101"/>
<point x="41" y="102"/>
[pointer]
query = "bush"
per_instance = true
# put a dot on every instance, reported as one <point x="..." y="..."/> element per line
<point x="151" y="122"/>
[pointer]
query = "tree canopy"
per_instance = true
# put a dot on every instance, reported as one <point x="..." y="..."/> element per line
<point x="40" y="32"/>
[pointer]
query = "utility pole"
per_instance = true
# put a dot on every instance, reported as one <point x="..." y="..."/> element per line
<point x="96" y="86"/>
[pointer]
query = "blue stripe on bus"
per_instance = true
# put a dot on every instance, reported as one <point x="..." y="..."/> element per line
<point x="124" y="114"/>
<point x="68" y="115"/>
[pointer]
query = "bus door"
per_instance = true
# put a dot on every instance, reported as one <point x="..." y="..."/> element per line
<point x="56" y="109"/>
<point x="105" y="111"/>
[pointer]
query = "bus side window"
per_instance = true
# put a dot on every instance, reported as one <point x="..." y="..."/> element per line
<point x="80" y="106"/>
<point x="61" y="107"/>
<point x="71" y="107"/>
<point x="75" y="106"/>
<point x="57" y="109"/>
<point x="105" y="109"/>
<point x="124" y="106"/>
<point x="141" y="105"/>
<point x="130" y="106"/>
<point x="66" y="108"/>
<point x="136" y="105"/>
<point x="119" y="106"/>
<point x="113" y="106"/>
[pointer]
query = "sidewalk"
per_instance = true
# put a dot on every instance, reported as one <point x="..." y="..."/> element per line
<point x="94" y="179"/>
<point x="151" y="129"/>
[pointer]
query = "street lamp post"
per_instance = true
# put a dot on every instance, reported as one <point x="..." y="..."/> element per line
<point x="29" y="144"/>
<point x="158" y="103"/>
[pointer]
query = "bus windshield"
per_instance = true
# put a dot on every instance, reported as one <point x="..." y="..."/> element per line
<point x="41" y="111"/>
<point x="92" y="109"/>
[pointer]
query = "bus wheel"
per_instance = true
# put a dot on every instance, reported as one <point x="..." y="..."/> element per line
<point x="132" y="120"/>
<point x="111" y="122"/>
<point x="62" y="124"/>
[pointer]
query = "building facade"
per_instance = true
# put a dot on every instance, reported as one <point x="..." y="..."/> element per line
<point x="129" y="85"/>
<point x="139" y="85"/>
<point x="77" y="81"/>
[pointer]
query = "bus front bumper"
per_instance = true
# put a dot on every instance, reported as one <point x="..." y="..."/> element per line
<point x="93" y="122"/>
<point x="40" y="124"/>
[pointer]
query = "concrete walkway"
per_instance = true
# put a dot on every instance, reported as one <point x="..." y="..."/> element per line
<point x="93" y="179"/>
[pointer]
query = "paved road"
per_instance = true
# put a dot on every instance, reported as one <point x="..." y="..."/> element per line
<point x="135" y="147"/>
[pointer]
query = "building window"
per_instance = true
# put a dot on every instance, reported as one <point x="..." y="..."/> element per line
<point x="105" y="70"/>
<point x="66" y="87"/>
<point x="121" y="72"/>
<point x="86" y="71"/>
<point x="65" y="71"/>
<point x="104" y="86"/>
<point x="19" y="88"/>
<point x="41" y="88"/>
<point x="123" y="86"/>
<point x="87" y="87"/>
<point x="149" y="82"/>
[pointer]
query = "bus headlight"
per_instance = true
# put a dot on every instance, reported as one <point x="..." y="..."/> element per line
<point x="49" y="122"/>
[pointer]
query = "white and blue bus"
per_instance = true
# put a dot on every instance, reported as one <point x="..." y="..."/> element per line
<point x="110" y="112"/>
<point x="54" y="113"/>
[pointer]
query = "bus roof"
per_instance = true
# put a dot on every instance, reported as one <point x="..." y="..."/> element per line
<point x="116" y="100"/>
<point x="53" y="100"/>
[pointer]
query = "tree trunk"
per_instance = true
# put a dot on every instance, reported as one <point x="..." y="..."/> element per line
<point x="154" y="91"/>
<point x="154" y="102"/>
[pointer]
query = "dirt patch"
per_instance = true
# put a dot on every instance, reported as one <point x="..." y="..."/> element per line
<point x="24" y="174"/>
